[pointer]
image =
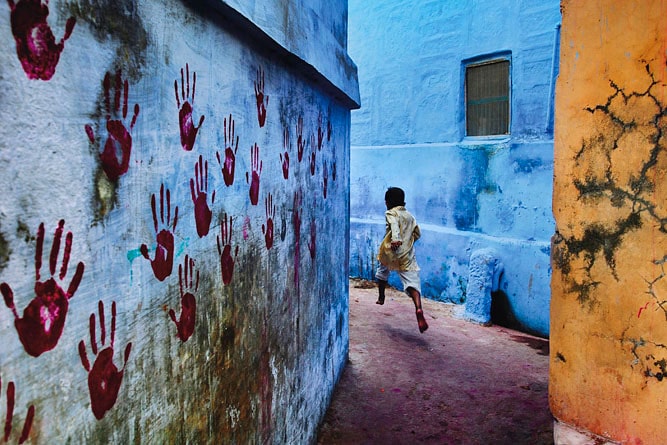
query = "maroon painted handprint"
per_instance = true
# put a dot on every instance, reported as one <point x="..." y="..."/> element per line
<point x="300" y="141"/>
<point x="320" y="132"/>
<point x="188" y="129"/>
<point x="267" y="229"/>
<point x="312" y="155"/>
<point x="262" y="100"/>
<point x="44" y="318"/>
<point x="164" y="251"/>
<point x="199" y="192"/>
<point x="325" y="178"/>
<point x="115" y="157"/>
<point x="231" y="147"/>
<point x="188" y="280"/>
<point x="329" y="126"/>
<point x="311" y="243"/>
<point x="253" y="178"/>
<point x="284" y="157"/>
<point x="104" y="378"/>
<point x="9" y="419"/>
<point x="225" y="250"/>
<point x="36" y="45"/>
<point x="296" y="221"/>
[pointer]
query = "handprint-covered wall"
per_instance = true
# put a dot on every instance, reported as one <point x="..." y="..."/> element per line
<point x="608" y="364"/>
<point x="172" y="268"/>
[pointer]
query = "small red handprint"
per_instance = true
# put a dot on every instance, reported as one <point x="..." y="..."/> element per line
<point x="284" y="158"/>
<point x="320" y="132"/>
<point x="36" y="45"/>
<point x="224" y="242"/>
<point x="199" y="192"/>
<point x="267" y="229"/>
<point x="44" y="318"/>
<point x="253" y="178"/>
<point x="262" y="100"/>
<point x="300" y="141"/>
<point x="312" y="155"/>
<point x="188" y="280"/>
<point x="164" y="251"/>
<point x="115" y="157"/>
<point x="9" y="418"/>
<point x="188" y="129"/>
<point x="296" y="221"/>
<point x="325" y="178"/>
<point x="231" y="147"/>
<point x="104" y="378"/>
<point x="311" y="243"/>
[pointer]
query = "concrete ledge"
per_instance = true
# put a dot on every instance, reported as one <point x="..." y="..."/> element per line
<point x="290" y="33"/>
<point x="567" y="435"/>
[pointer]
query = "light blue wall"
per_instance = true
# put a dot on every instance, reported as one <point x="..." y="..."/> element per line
<point x="106" y="334"/>
<point x="467" y="193"/>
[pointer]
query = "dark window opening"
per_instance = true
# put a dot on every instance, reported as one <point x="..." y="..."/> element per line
<point x="487" y="98"/>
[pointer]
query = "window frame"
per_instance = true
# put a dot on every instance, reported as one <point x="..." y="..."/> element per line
<point x="488" y="59"/>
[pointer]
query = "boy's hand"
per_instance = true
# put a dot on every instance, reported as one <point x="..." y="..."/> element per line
<point x="395" y="245"/>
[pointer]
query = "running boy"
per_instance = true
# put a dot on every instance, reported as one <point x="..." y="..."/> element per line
<point x="397" y="251"/>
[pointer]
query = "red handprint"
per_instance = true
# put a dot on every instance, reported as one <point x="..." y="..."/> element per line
<point x="36" y="45"/>
<point x="320" y="132"/>
<point x="253" y="178"/>
<point x="225" y="250"/>
<point x="104" y="378"/>
<point x="44" y="318"/>
<point x="185" y="326"/>
<point x="267" y="229"/>
<point x="325" y="178"/>
<point x="188" y="129"/>
<point x="261" y="98"/>
<point x="296" y="221"/>
<point x="231" y="147"/>
<point x="300" y="142"/>
<point x="115" y="157"/>
<point x="311" y="243"/>
<point x="164" y="251"/>
<point x="27" y="424"/>
<point x="199" y="192"/>
<point x="312" y="155"/>
<point x="284" y="158"/>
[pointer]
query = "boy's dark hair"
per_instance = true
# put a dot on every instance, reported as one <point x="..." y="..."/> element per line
<point x="394" y="197"/>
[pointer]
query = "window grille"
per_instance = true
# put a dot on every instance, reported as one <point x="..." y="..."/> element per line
<point x="487" y="98"/>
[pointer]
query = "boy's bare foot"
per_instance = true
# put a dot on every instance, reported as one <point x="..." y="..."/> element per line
<point x="421" y="321"/>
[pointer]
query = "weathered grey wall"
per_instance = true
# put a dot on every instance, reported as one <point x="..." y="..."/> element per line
<point x="468" y="193"/>
<point x="202" y="294"/>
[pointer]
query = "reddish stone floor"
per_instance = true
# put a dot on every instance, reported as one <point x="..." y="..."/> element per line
<point x="457" y="383"/>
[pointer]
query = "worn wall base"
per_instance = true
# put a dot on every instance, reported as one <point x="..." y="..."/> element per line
<point x="565" y="434"/>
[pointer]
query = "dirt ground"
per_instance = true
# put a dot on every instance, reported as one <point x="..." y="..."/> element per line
<point x="457" y="383"/>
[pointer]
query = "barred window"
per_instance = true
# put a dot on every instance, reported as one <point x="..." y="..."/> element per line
<point x="487" y="98"/>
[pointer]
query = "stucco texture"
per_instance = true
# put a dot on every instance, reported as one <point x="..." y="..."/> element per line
<point x="608" y="329"/>
<point x="173" y="227"/>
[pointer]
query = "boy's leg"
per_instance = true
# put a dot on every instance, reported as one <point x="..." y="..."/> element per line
<point x="381" y="276"/>
<point x="416" y="298"/>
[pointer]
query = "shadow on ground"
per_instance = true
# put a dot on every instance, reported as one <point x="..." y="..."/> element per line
<point x="458" y="383"/>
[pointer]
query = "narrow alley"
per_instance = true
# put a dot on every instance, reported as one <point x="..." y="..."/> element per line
<point x="458" y="383"/>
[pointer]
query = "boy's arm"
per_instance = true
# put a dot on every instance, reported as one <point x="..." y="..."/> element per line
<point x="392" y="221"/>
<point x="417" y="233"/>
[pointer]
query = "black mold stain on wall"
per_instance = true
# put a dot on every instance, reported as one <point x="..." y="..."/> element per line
<point x="5" y="252"/>
<point x="624" y="114"/>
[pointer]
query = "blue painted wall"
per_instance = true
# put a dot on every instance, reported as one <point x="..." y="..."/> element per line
<point x="467" y="193"/>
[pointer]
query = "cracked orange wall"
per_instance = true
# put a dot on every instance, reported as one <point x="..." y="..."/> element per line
<point x="608" y="370"/>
